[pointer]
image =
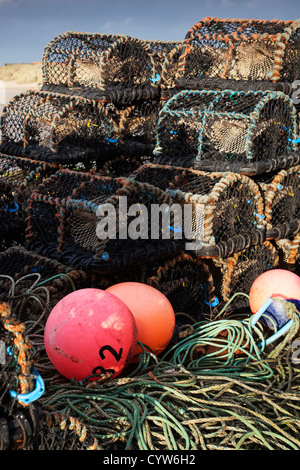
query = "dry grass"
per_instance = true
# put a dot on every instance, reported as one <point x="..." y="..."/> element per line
<point x="21" y="73"/>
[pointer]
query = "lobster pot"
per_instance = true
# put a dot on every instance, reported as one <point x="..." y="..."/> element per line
<point x="241" y="49"/>
<point x="236" y="274"/>
<point x="224" y="211"/>
<point x="19" y="420"/>
<point x="244" y="132"/>
<point x="66" y="130"/>
<point x="56" y="128"/>
<point x="282" y="198"/>
<point x="101" y="67"/>
<point x="247" y="133"/>
<point x="187" y="282"/>
<point x="81" y="220"/>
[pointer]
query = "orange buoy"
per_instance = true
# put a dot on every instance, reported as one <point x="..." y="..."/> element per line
<point x="153" y="313"/>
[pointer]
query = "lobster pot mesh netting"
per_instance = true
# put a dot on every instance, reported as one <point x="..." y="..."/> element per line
<point x="101" y="66"/>
<point x="135" y="126"/>
<point x="282" y="210"/>
<point x="216" y="207"/>
<point x="72" y="59"/>
<point x="237" y="273"/>
<point x="12" y="226"/>
<point x="121" y="165"/>
<point x="82" y="220"/>
<point x="165" y="55"/>
<point x="170" y="73"/>
<point x="243" y="49"/>
<point x="245" y="132"/>
<point x="23" y="273"/>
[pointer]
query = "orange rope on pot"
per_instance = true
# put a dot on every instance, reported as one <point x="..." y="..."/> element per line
<point x="23" y="347"/>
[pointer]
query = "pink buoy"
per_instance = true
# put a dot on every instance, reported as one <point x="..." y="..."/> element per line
<point x="90" y="331"/>
<point x="274" y="283"/>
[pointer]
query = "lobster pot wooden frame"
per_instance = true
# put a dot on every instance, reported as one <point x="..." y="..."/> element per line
<point x="241" y="49"/>
<point x="65" y="213"/>
<point x="117" y="68"/>
<point x="237" y="273"/>
<point x="230" y="204"/>
<point x="244" y="132"/>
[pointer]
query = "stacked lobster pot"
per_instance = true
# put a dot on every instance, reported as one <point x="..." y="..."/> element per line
<point x="118" y="78"/>
<point x="231" y="107"/>
<point x="97" y="107"/>
<point x="95" y="112"/>
<point x="98" y="223"/>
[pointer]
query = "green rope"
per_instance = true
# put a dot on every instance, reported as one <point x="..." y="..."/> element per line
<point x="171" y="408"/>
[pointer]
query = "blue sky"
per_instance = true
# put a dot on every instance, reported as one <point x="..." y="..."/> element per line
<point x="26" y="26"/>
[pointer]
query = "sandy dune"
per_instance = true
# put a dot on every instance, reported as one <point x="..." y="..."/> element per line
<point x="17" y="78"/>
